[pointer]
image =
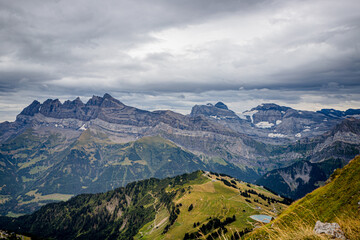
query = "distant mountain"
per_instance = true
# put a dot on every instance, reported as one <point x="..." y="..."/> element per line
<point x="285" y="123"/>
<point x="125" y="123"/>
<point x="217" y="111"/>
<point x="271" y="123"/>
<point x="195" y="204"/>
<point x="221" y="115"/>
<point x="342" y="142"/>
<point x="284" y="136"/>
<point x="321" y="155"/>
<point x="336" y="113"/>
<point x="103" y="144"/>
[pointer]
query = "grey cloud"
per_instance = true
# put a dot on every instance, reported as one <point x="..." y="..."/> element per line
<point x="66" y="49"/>
<point x="69" y="37"/>
<point x="22" y="79"/>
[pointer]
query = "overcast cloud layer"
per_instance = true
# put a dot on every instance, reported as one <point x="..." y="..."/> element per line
<point x="174" y="54"/>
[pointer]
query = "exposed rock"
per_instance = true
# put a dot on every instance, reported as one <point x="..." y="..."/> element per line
<point x="219" y="111"/>
<point x="32" y="109"/>
<point x="221" y="105"/>
<point x="337" y="113"/>
<point x="298" y="179"/>
<point x="332" y="229"/>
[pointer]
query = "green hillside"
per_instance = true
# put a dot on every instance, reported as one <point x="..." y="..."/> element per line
<point x="189" y="205"/>
<point x="36" y="169"/>
<point x="337" y="201"/>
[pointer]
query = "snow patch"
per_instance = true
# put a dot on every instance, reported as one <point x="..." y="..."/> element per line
<point x="250" y="114"/>
<point x="264" y="125"/>
<point x="300" y="113"/>
<point x="276" y="135"/>
<point x="82" y="128"/>
<point x="222" y="118"/>
<point x="298" y="135"/>
<point x="278" y="122"/>
<point x="306" y="130"/>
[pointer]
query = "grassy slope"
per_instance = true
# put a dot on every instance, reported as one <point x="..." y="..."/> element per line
<point x="337" y="201"/>
<point x="116" y="214"/>
<point x="142" y="209"/>
<point x="24" y="160"/>
<point x="340" y="196"/>
<point x="210" y="198"/>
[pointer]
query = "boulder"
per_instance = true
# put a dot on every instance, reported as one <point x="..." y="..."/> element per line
<point x="332" y="229"/>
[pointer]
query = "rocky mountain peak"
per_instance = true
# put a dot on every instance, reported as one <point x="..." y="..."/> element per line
<point x="107" y="96"/>
<point x="352" y="112"/>
<point x="270" y="106"/>
<point x="219" y="110"/>
<point x="32" y="109"/>
<point x="267" y="114"/>
<point x="50" y="106"/>
<point x="94" y="101"/>
<point x="332" y="112"/>
<point x="351" y="125"/>
<point x="109" y="101"/>
<point x="221" y="105"/>
<point x="106" y="101"/>
<point x="73" y="104"/>
<point x="74" y="109"/>
<point x="77" y="101"/>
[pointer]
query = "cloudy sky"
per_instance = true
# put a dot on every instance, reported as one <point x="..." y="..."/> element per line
<point x="161" y="54"/>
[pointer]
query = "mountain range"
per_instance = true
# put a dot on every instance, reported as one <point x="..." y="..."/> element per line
<point x="56" y="150"/>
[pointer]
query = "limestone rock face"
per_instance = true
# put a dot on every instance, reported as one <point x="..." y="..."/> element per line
<point x="332" y="229"/>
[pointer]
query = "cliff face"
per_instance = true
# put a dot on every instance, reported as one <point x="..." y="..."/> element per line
<point x="299" y="178"/>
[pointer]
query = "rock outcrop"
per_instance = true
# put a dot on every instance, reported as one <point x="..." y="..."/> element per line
<point x="331" y="229"/>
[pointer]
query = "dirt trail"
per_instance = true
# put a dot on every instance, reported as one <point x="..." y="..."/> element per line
<point x="156" y="215"/>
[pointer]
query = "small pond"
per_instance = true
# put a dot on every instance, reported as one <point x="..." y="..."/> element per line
<point x="261" y="218"/>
